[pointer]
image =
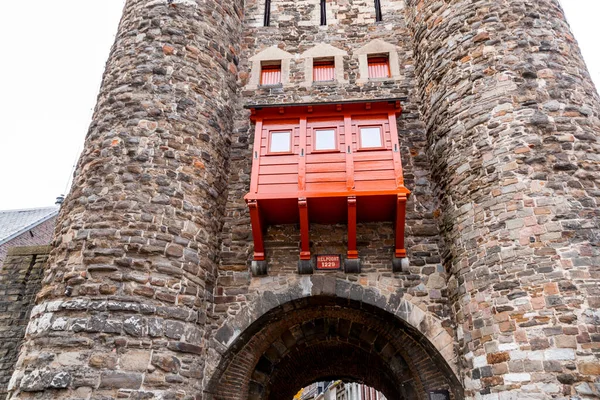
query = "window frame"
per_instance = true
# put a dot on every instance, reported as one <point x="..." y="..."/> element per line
<point x="329" y="62"/>
<point x="379" y="59"/>
<point x="381" y="137"/>
<point x="336" y="139"/>
<point x="269" y="141"/>
<point x="270" y="65"/>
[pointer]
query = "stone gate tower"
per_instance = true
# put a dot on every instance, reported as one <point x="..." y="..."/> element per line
<point x="166" y="282"/>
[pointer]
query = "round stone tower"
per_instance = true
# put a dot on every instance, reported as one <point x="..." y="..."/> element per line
<point x="133" y="264"/>
<point x="513" y="129"/>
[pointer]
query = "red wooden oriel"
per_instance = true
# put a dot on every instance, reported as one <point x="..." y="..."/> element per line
<point x="359" y="180"/>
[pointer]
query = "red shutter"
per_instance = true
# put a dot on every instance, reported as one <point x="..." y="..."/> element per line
<point x="323" y="71"/>
<point x="379" y="67"/>
<point x="270" y="75"/>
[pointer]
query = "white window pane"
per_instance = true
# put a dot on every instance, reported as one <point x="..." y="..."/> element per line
<point x="280" y="142"/>
<point x="325" y="139"/>
<point x="370" y="137"/>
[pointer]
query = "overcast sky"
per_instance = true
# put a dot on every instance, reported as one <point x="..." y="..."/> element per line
<point x="53" y="56"/>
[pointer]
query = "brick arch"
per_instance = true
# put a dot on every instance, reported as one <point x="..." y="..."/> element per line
<point x="261" y="346"/>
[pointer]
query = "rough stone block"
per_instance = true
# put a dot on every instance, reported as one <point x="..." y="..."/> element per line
<point x="120" y="380"/>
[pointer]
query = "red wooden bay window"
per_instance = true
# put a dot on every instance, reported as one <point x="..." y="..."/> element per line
<point x="327" y="164"/>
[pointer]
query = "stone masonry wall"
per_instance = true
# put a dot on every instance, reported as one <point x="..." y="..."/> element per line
<point x="295" y="29"/>
<point x="131" y="274"/>
<point x="20" y="281"/>
<point x="513" y="131"/>
<point x="39" y="235"/>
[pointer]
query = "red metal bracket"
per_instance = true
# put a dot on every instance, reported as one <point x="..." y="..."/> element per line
<point x="304" y="229"/>
<point x="400" y="224"/>
<point x="257" y="231"/>
<point x="352" y="251"/>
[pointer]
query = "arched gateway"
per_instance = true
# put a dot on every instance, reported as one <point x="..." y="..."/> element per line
<point x="323" y="328"/>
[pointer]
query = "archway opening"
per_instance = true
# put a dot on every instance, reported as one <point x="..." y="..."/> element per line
<point x="339" y="390"/>
<point x="323" y="338"/>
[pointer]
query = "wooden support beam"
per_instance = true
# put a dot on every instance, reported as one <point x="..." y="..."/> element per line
<point x="257" y="230"/>
<point x="256" y="155"/>
<point x="349" y="156"/>
<point x="400" y="225"/>
<point x="304" y="230"/>
<point x="302" y="159"/>
<point x="352" y="251"/>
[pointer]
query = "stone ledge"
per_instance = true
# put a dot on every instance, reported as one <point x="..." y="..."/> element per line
<point x="28" y="250"/>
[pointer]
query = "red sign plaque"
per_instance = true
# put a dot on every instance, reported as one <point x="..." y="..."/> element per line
<point x="328" y="261"/>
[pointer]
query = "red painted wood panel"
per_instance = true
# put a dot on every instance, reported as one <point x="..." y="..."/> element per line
<point x="278" y="169"/>
<point x="279" y="160"/>
<point x="374" y="186"/>
<point x="379" y="67"/>
<point x="323" y="71"/>
<point x="270" y="75"/>
<point x="325" y="167"/>
<point x="374" y="175"/>
<point x="278" y="188"/>
<point x="373" y="165"/>
<point x="326" y="177"/>
<point x="326" y="187"/>
<point x="373" y="156"/>
<point x="325" y="158"/>
<point x="276" y="179"/>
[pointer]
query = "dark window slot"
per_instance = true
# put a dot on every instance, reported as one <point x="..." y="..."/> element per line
<point x="378" y="16"/>
<point x="267" y="20"/>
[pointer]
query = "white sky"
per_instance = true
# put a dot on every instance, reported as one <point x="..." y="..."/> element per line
<point x="51" y="63"/>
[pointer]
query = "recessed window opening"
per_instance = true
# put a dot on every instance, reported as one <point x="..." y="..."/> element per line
<point x="323" y="70"/>
<point x="280" y="142"/>
<point x="267" y="20"/>
<point x="378" y="16"/>
<point x="323" y="12"/>
<point x="270" y="73"/>
<point x="370" y="137"/>
<point x="379" y="66"/>
<point x="325" y="139"/>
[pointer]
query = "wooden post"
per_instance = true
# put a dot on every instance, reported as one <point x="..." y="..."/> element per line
<point x="352" y="251"/>
<point x="304" y="230"/>
<point x="400" y="223"/>
<point x="257" y="231"/>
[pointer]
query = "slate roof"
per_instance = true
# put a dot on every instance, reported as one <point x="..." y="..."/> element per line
<point x="15" y="222"/>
